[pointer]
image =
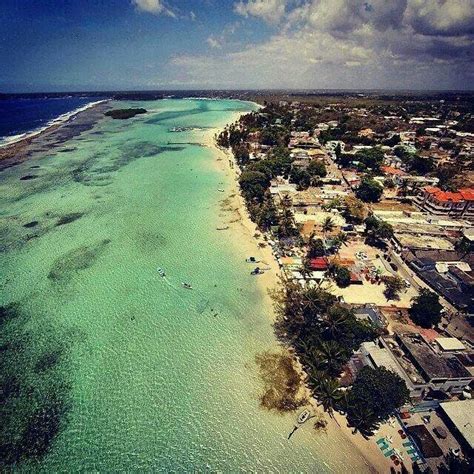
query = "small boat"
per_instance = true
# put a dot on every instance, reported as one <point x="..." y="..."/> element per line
<point x="256" y="271"/>
<point x="222" y="228"/>
<point x="251" y="260"/>
<point x="161" y="272"/>
<point x="221" y="190"/>
<point x="303" y="416"/>
<point x="188" y="286"/>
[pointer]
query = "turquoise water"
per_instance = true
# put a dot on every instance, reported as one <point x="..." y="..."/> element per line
<point x="115" y="368"/>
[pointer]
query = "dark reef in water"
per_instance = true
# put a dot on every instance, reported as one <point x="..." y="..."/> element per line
<point x="28" y="177"/>
<point x="97" y="169"/>
<point x="122" y="114"/>
<point x="81" y="258"/>
<point x="68" y="218"/>
<point x="28" y="225"/>
<point x="67" y="150"/>
<point x="34" y="385"/>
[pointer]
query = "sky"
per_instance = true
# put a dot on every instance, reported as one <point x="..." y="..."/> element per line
<point x="67" y="45"/>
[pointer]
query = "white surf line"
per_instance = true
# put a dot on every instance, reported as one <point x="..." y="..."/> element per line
<point x="63" y="118"/>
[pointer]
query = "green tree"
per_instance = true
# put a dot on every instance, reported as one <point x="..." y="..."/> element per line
<point x="377" y="230"/>
<point x="421" y="165"/>
<point x="317" y="168"/>
<point x="342" y="277"/>
<point x="355" y="209"/>
<point x="301" y="178"/>
<point x="286" y="224"/>
<point x="369" y="190"/>
<point x="371" y="158"/>
<point x="327" y="225"/>
<point x="330" y="357"/>
<point x="267" y="215"/>
<point x="426" y="309"/>
<point x="327" y="392"/>
<point x="334" y="322"/>
<point x="253" y="185"/>
<point x="305" y="268"/>
<point x="340" y="240"/>
<point x="447" y="174"/>
<point x="241" y="154"/>
<point x="379" y="391"/>
<point x="393" y="286"/>
<point x="393" y="140"/>
<point x="315" y="247"/>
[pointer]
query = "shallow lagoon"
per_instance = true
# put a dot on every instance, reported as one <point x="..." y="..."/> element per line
<point x="112" y="367"/>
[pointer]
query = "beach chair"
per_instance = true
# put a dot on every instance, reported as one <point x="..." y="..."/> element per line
<point x="388" y="453"/>
<point x="407" y="444"/>
<point x="411" y="451"/>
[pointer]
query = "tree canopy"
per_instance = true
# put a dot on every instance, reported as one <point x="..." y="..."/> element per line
<point x="426" y="309"/>
<point x="317" y="168"/>
<point x="254" y="185"/>
<point x="369" y="190"/>
<point x="376" y="393"/>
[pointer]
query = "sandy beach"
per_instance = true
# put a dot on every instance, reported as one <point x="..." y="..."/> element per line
<point x="236" y="217"/>
<point x="244" y="231"/>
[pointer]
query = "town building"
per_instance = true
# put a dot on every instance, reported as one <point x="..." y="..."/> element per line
<point x="438" y="202"/>
<point x="425" y="368"/>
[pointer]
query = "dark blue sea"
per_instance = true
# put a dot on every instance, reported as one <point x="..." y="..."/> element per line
<point x="18" y="116"/>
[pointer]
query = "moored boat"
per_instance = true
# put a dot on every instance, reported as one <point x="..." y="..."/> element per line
<point x="161" y="272"/>
<point x="303" y="416"/>
<point x="188" y="286"/>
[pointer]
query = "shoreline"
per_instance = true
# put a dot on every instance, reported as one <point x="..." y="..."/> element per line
<point x="239" y="222"/>
<point x="244" y="229"/>
<point x="60" y="120"/>
<point x="53" y="134"/>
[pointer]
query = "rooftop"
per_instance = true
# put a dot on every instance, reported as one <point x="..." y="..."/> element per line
<point x="466" y="194"/>
<point x="460" y="413"/>
<point x="450" y="344"/>
<point x="433" y="365"/>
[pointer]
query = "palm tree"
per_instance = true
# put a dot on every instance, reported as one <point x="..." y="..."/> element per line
<point x="363" y="420"/>
<point x="327" y="225"/>
<point x="331" y="356"/>
<point x="305" y="268"/>
<point x="286" y="201"/>
<point x="334" y="322"/>
<point x="341" y="239"/>
<point x="287" y="223"/>
<point x="327" y="392"/>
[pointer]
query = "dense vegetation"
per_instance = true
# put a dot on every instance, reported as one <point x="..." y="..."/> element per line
<point x="324" y="334"/>
<point x="426" y="309"/>
<point x="374" y="396"/>
<point x="122" y="114"/>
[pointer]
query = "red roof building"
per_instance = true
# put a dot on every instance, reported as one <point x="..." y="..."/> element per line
<point x="319" y="263"/>
<point x="454" y="204"/>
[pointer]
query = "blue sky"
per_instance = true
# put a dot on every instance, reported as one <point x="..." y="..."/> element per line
<point x="177" y="44"/>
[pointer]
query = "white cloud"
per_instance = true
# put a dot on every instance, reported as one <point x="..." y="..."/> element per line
<point x="271" y="11"/>
<point x="213" y="42"/>
<point x="156" y="7"/>
<point x="441" y="17"/>
<point x="343" y="44"/>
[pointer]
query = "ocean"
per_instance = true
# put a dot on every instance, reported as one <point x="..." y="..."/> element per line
<point x="24" y="115"/>
<point x="106" y="366"/>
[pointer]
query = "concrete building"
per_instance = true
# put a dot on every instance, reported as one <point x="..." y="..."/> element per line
<point x="438" y="202"/>
<point x="425" y="369"/>
<point x="458" y="416"/>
